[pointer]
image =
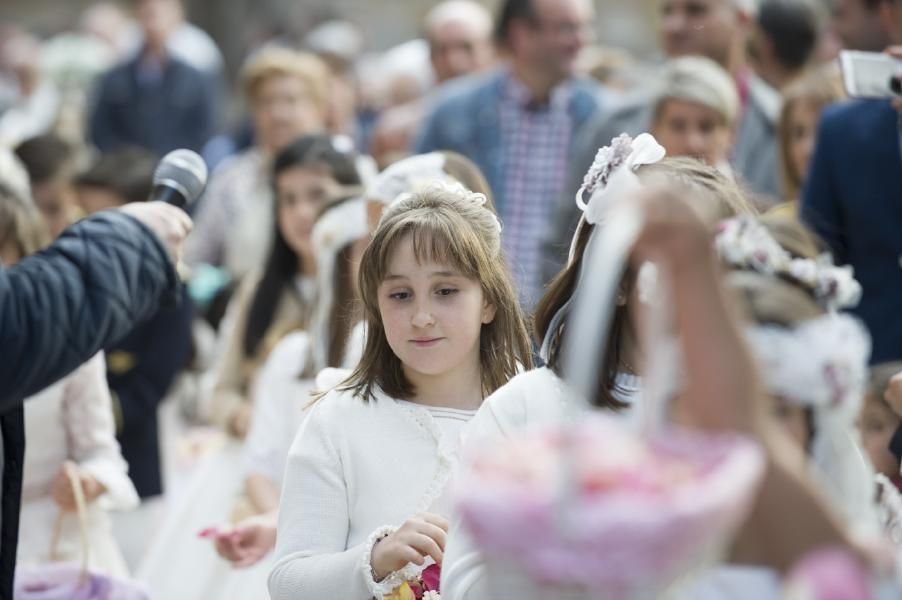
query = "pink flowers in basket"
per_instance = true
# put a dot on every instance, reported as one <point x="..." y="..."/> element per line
<point x="424" y="587"/>
<point x="597" y="507"/>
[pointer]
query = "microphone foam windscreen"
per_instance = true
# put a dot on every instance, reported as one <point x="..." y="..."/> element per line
<point x="184" y="171"/>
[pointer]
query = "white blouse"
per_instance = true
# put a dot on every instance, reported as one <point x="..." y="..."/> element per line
<point x="73" y="420"/>
<point x="356" y="470"/>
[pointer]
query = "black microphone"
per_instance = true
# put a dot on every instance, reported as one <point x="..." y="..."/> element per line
<point x="180" y="178"/>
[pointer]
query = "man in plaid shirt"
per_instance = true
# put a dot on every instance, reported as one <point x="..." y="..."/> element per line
<point x="518" y="123"/>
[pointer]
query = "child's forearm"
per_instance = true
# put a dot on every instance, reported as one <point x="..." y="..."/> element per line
<point x="722" y="388"/>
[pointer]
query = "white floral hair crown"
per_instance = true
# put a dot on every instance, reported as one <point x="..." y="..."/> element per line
<point x="454" y="188"/>
<point x="822" y="363"/>
<point x="745" y="243"/>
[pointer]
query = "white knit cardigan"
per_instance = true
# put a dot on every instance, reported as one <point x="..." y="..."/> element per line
<point x="356" y="470"/>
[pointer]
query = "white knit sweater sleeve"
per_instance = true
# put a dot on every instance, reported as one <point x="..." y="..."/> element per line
<point x="463" y="568"/>
<point x="311" y="559"/>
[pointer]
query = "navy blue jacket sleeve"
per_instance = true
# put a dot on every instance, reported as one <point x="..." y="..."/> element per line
<point x="821" y="207"/>
<point x="163" y="346"/>
<point x="60" y="306"/>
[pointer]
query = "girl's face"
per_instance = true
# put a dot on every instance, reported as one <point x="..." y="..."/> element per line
<point x="692" y="129"/>
<point x="877" y="423"/>
<point x="794" y="420"/>
<point x="301" y="193"/>
<point x="432" y="315"/>
<point x="283" y="110"/>
<point x="802" y="130"/>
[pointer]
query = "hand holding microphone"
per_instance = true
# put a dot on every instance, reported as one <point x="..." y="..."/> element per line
<point x="178" y="182"/>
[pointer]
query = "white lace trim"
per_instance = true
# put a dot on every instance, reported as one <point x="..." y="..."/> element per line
<point x="445" y="454"/>
<point x="393" y="580"/>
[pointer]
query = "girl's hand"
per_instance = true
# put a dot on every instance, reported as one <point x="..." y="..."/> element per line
<point x="672" y="232"/>
<point x="418" y="537"/>
<point x="893" y="394"/>
<point x="240" y="420"/>
<point x="248" y="542"/>
<point x="61" y="489"/>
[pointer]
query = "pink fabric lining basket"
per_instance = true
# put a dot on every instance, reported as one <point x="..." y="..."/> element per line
<point x="625" y="540"/>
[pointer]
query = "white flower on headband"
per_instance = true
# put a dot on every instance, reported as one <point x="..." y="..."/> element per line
<point x="821" y="364"/>
<point x="613" y="173"/>
<point x="745" y="243"/>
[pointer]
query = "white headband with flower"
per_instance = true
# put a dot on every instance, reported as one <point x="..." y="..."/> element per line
<point x="613" y="172"/>
<point x="611" y="178"/>
<point x="745" y="243"/>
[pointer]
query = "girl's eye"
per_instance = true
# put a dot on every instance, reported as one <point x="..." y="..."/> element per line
<point x="399" y="295"/>
<point x="446" y="292"/>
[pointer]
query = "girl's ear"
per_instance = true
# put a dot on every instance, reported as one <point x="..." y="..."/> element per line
<point x="488" y="312"/>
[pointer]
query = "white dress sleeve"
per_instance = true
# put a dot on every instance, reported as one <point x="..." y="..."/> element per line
<point x="312" y="560"/>
<point x="502" y="413"/>
<point x="280" y="400"/>
<point x="88" y="417"/>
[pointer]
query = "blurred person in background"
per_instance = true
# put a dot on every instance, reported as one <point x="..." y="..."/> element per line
<point x="140" y="367"/>
<point x="858" y="25"/>
<point x="851" y="200"/>
<point x="518" y="123"/>
<point x="716" y="29"/>
<point x="288" y="96"/>
<point x="51" y="163"/>
<point x="338" y="44"/>
<point x="696" y="110"/>
<point x="32" y="102"/>
<point x="155" y="100"/>
<point x="277" y="298"/>
<point x="781" y="45"/>
<point x="459" y="33"/>
<point x="720" y="30"/>
<point x="70" y="425"/>
<point x="804" y="100"/>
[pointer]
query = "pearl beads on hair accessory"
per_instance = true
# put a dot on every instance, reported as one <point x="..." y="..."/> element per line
<point x="745" y="243"/>
<point x="457" y="189"/>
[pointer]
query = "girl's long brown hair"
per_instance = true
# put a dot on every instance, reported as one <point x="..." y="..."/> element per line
<point x="449" y="228"/>
<point x="714" y="195"/>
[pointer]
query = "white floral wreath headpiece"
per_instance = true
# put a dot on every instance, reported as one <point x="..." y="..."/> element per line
<point x="745" y="243"/>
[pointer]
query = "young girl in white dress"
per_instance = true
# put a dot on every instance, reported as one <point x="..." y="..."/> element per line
<point x="70" y="427"/>
<point x="717" y="366"/>
<point x="358" y="514"/>
<point x="288" y="379"/>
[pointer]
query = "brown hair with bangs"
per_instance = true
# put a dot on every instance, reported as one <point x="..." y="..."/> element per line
<point x="712" y="194"/>
<point x="450" y="228"/>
